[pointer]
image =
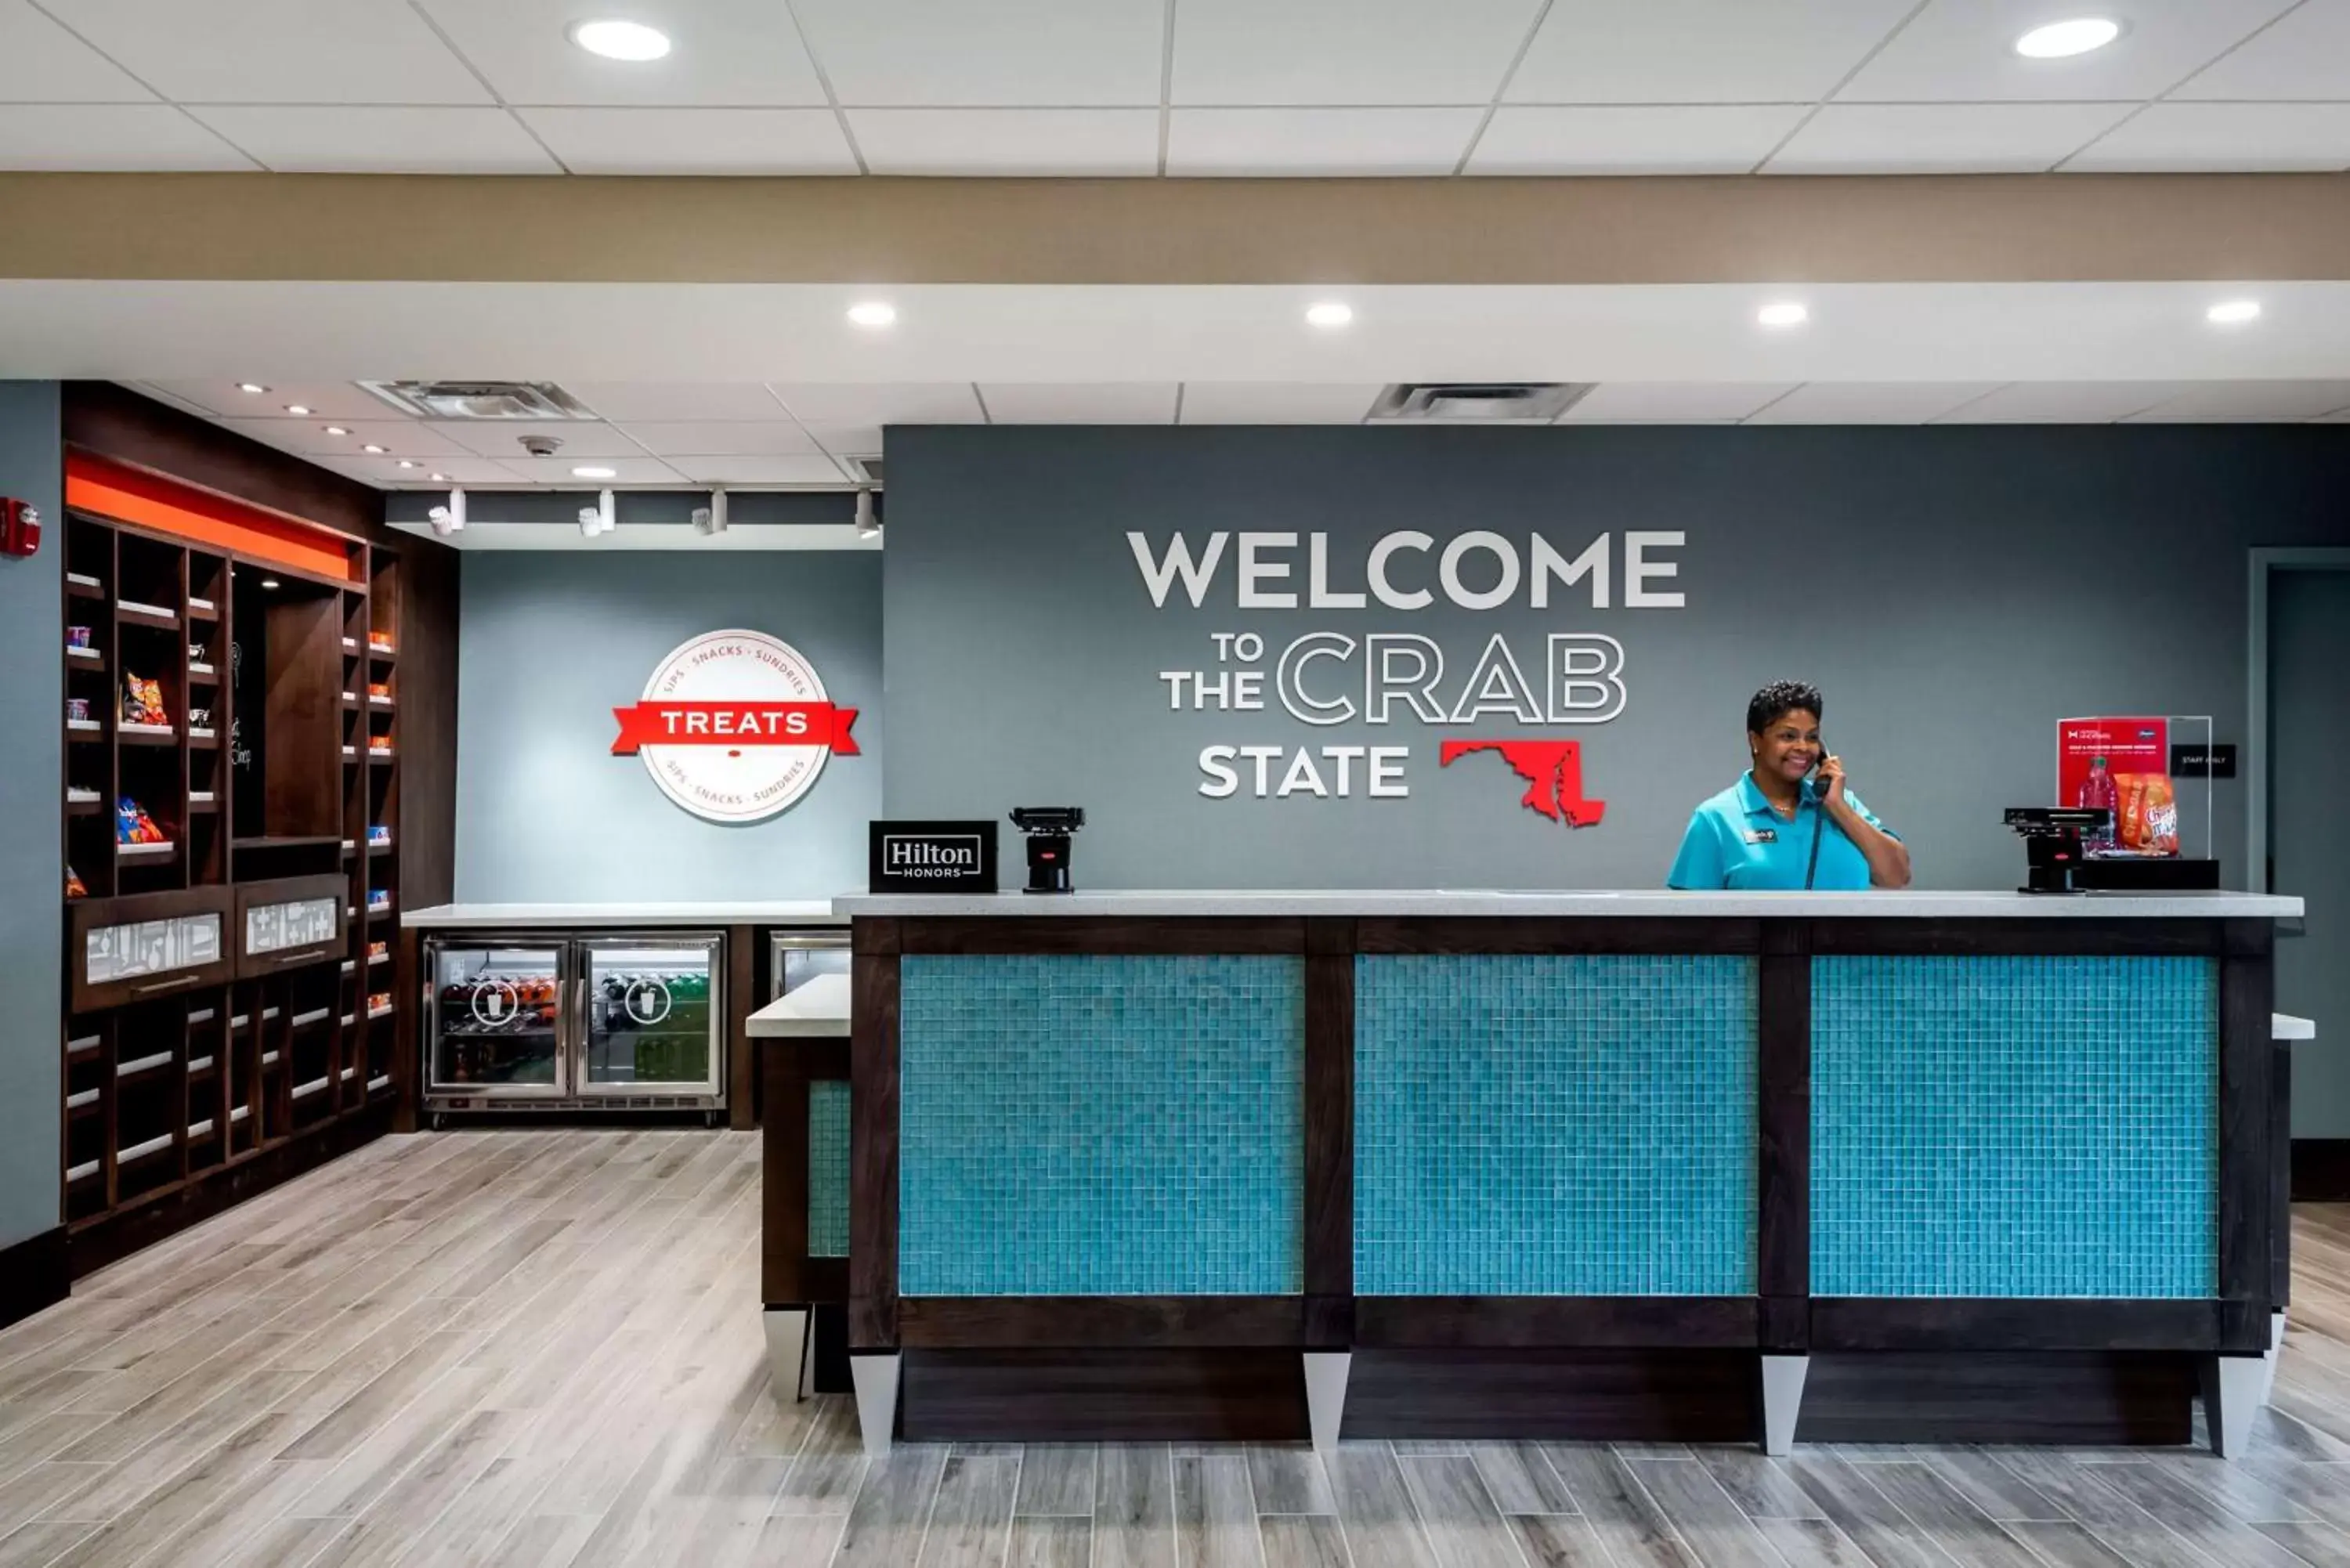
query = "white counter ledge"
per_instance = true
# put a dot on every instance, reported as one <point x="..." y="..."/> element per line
<point x="525" y="916"/>
<point x="1643" y="904"/>
<point x="819" y="1008"/>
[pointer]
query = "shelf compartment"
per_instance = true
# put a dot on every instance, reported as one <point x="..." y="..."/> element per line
<point x="153" y="1146"/>
<point x="85" y="729"/>
<point x="375" y="1012"/>
<point x="82" y="1047"/>
<point x="207" y="673"/>
<point x="93" y="806"/>
<point x="144" y="1064"/>
<point x="84" y="1171"/>
<point x="201" y="1065"/>
<point x="87" y="1098"/>
<point x="316" y="1015"/>
<point x="147" y="735"/>
<point x="204" y="739"/>
<point x="383" y="1082"/>
<point x="202" y="1129"/>
<point x="146" y="851"/>
<point x="82" y="586"/>
<point x="202" y="608"/>
<point x="84" y="659"/>
<point x="269" y="1058"/>
<point x="314" y="1086"/>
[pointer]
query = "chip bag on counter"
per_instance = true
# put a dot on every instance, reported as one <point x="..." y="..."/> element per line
<point x="143" y="701"/>
<point x="2148" y="817"/>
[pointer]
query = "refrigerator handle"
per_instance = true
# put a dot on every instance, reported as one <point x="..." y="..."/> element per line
<point x="575" y="1050"/>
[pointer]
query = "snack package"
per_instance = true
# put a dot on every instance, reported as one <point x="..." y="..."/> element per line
<point x="143" y="701"/>
<point x="2149" y="813"/>
<point x="75" y="886"/>
<point x="133" y="825"/>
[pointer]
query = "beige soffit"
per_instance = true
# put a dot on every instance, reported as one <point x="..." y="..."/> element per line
<point x="2018" y="228"/>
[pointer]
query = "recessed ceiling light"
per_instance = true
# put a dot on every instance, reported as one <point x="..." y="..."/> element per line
<point x="269" y="582"/>
<point x="2062" y="40"/>
<point x="2230" y="312"/>
<point x="1329" y="313"/>
<point x="255" y="387"/>
<point x="595" y="472"/>
<point x="873" y="313"/>
<point x="622" y="41"/>
<point x="1783" y="313"/>
<point x="297" y="410"/>
<point x="337" y="430"/>
<point x="379" y="450"/>
<point x="407" y="462"/>
<point x="438" y="478"/>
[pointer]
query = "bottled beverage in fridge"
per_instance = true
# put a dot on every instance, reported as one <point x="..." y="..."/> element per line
<point x="2098" y="791"/>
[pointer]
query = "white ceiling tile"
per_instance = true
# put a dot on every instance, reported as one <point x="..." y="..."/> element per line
<point x="817" y="470"/>
<point x="848" y="440"/>
<point x="502" y="439"/>
<point x="1672" y="402"/>
<point x="1680" y="139"/>
<point x="727" y="438"/>
<point x="308" y="437"/>
<point x="276" y="51"/>
<point x="1277" y="402"/>
<point x="1318" y="142"/>
<point x="2224" y="136"/>
<point x="880" y="402"/>
<point x="330" y="401"/>
<point x="1345" y="51"/>
<point x="2307" y="55"/>
<point x="694" y="141"/>
<point x="354" y="140"/>
<point x="1007" y="140"/>
<point x="2249" y="400"/>
<point x="384" y="472"/>
<point x="109" y="137"/>
<point x="1869" y="402"/>
<point x="1699" y="51"/>
<point x="40" y="62"/>
<point x="1098" y="403"/>
<point x="2064" y="402"/>
<point x="945" y="53"/>
<point x="1964" y="51"/>
<point x="740" y="54"/>
<point x="1943" y="137"/>
<point x="624" y="402"/>
<point x="626" y="471"/>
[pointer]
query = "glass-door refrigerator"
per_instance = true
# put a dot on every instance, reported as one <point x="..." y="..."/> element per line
<point x="569" y="1021"/>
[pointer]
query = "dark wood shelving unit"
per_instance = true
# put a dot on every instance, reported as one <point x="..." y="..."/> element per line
<point x="256" y="1038"/>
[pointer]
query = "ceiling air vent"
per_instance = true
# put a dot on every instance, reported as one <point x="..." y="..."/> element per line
<point x="481" y="399"/>
<point x="1477" y="402"/>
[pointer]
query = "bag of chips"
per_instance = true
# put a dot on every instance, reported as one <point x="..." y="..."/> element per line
<point x="133" y="825"/>
<point x="2149" y="813"/>
<point x="143" y="701"/>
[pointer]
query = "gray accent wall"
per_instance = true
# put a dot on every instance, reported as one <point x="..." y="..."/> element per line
<point x="551" y="642"/>
<point x="32" y="873"/>
<point x="1955" y="590"/>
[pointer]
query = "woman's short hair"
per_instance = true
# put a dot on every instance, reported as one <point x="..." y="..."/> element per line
<point x="1778" y="699"/>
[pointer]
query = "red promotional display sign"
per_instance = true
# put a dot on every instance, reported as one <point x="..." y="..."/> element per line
<point x="2122" y="764"/>
<point x="735" y="724"/>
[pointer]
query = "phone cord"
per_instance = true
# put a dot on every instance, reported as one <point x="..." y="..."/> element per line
<point x="1819" y="829"/>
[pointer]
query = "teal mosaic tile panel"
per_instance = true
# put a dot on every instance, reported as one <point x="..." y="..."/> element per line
<point x="1100" y="1126"/>
<point x="1554" y="1125"/>
<point x="2014" y="1127"/>
<point x="828" y="1155"/>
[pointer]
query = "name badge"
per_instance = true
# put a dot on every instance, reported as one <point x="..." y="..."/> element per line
<point x="1762" y="835"/>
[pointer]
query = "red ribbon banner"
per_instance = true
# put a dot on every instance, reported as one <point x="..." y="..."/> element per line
<point x="734" y="725"/>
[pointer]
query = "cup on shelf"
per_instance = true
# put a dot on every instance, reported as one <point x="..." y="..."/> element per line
<point x="195" y="653"/>
<point x="198" y="718"/>
<point x="78" y="710"/>
<point x="77" y="636"/>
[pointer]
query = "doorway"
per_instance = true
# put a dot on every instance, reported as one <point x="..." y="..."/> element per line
<point x="2300" y="751"/>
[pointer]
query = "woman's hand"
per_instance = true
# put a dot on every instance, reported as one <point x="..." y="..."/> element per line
<point x="1827" y="784"/>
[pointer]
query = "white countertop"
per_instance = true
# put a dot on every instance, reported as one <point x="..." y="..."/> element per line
<point x="480" y="917"/>
<point x="818" y="1008"/>
<point x="2285" y="1026"/>
<point x="1904" y="905"/>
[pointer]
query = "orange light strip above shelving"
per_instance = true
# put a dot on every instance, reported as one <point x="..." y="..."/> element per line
<point x="129" y="495"/>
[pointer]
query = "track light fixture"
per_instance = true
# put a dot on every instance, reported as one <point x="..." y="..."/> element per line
<point x="867" y="526"/>
<point x="712" y="519"/>
<point x="449" y="518"/>
<point x="600" y="518"/>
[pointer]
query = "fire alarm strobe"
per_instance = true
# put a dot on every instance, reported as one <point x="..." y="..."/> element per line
<point x="20" y="527"/>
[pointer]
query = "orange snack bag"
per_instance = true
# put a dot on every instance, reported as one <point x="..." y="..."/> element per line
<point x="2149" y="813"/>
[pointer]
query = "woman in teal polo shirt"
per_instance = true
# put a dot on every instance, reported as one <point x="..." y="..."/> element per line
<point x="1780" y="826"/>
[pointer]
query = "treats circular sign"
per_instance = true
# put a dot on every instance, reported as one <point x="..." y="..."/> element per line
<point x="734" y="726"/>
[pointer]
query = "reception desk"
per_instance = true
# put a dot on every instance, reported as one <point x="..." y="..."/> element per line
<point x="1792" y="1168"/>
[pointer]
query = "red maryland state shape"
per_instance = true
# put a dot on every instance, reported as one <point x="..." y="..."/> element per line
<point x="1552" y="770"/>
<point x="734" y="725"/>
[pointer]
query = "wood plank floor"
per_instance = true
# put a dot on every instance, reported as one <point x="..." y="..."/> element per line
<point x="543" y="1349"/>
